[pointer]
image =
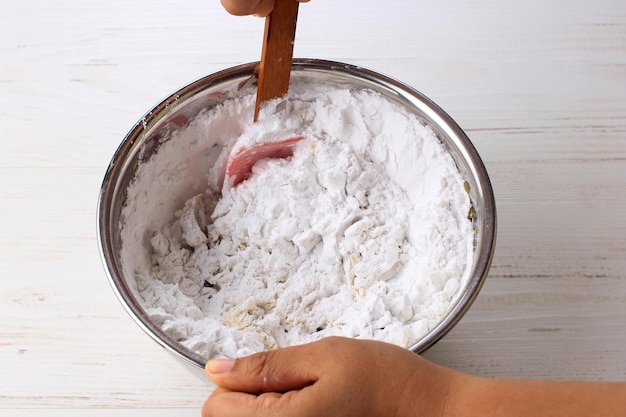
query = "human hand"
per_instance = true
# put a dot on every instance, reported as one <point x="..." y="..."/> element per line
<point x="331" y="377"/>
<point x="259" y="8"/>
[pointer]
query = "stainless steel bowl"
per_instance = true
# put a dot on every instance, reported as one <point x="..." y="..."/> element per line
<point x="156" y="126"/>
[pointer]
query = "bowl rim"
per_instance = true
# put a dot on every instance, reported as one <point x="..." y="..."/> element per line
<point x="108" y="191"/>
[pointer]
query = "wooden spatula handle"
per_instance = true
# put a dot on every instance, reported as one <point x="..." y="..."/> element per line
<point x="277" y="54"/>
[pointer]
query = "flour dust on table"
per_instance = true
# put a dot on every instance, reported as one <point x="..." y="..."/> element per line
<point x="363" y="232"/>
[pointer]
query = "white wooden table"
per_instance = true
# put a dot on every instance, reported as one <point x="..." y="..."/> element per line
<point x="540" y="87"/>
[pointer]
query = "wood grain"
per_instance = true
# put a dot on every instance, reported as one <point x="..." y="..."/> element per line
<point x="277" y="53"/>
<point x="538" y="86"/>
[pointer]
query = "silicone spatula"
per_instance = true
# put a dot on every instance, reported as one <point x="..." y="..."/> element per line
<point x="273" y="82"/>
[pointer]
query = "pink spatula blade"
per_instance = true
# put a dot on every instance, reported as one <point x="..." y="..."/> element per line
<point x="241" y="160"/>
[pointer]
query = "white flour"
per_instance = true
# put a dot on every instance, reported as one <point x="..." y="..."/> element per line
<point x="362" y="233"/>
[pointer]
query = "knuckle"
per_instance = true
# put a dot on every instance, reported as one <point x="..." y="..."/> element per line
<point x="262" y="365"/>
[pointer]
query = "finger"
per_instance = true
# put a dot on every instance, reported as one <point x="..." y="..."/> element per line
<point x="309" y="401"/>
<point x="281" y="370"/>
<point x="246" y="7"/>
<point x="226" y="403"/>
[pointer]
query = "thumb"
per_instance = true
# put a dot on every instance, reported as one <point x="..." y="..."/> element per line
<point x="280" y="370"/>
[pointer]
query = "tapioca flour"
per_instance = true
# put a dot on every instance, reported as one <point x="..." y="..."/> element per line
<point x="363" y="232"/>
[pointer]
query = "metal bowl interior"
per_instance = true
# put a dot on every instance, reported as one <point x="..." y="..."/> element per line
<point x="157" y="125"/>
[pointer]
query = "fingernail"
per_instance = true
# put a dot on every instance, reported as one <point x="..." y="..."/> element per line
<point x="219" y="366"/>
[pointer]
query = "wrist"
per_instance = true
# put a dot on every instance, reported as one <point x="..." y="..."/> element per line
<point x="460" y="399"/>
<point x="434" y="390"/>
